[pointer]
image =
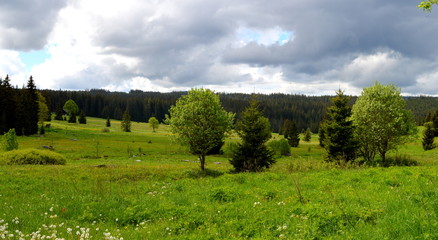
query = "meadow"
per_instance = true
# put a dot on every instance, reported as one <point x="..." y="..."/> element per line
<point x="143" y="185"/>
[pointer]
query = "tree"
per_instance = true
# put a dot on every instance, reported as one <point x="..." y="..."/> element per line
<point x="428" y="137"/>
<point x="427" y="5"/>
<point x="290" y="131"/>
<point x="252" y="153"/>
<point x="381" y="121"/>
<point x="307" y="135"/>
<point x="82" y="118"/>
<point x="27" y="116"/>
<point x="72" y="109"/>
<point x="153" y="123"/>
<point x="8" y="105"/>
<point x="108" y="122"/>
<point x="321" y="134"/>
<point x="199" y="121"/>
<point x="126" y="121"/>
<point x="43" y="110"/>
<point x="59" y="113"/>
<point x="10" y="140"/>
<point x="337" y="131"/>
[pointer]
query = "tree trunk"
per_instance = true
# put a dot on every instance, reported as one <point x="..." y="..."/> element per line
<point x="202" y="160"/>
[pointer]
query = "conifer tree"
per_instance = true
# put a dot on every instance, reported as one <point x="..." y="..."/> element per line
<point x="428" y="137"/>
<point x="339" y="142"/>
<point x="252" y="153"/>
<point x="126" y="121"/>
<point x="82" y="118"/>
<point x="59" y="114"/>
<point x="291" y="133"/>
<point x="108" y="122"/>
<point x="307" y="135"/>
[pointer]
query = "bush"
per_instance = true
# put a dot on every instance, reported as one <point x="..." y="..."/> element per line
<point x="32" y="156"/>
<point x="10" y="140"/>
<point x="280" y="147"/>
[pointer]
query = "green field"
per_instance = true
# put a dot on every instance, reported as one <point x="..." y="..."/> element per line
<point x="143" y="185"/>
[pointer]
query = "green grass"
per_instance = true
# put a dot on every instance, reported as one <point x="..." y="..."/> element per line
<point x="118" y="184"/>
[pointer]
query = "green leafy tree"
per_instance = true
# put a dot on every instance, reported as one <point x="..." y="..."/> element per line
<point x="428" y="137"/>
<point x="82" y="118"/>
<point x="291" y="134"/>
<point x="72" y="109"/>
<point x="199" y="121"/>
<point x="252" y="153"/>
<point x="307" y="135"/>
<point x="337" y="131"/>
<point x="381" y="120"/>
<point x="427" y="5"/>
<point x="153" y="123"/>
<point x="10" y="140"/>
<point x="126" y="121"/>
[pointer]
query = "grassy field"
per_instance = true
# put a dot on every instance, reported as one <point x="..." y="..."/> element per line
<point x="143" y="185"/>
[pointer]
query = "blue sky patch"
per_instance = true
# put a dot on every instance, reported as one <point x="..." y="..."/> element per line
<point x="33" y="58"/>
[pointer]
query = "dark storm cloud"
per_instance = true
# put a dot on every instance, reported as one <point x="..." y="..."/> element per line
<point x="25" y="24"/>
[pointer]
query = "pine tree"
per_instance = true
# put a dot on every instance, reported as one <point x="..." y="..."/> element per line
<point x="321" y="134"/>
<point x="291" y="133"/>
<point x="27" y="119"/>
<point x="82" y="118"/>
<point x="307" y="135"/>
<point x="428" y="137"/>
<point x="339" y="139"/>
<point x="252" y="153"/>
<point x="126" y="121"/>
<point x="108" y="122"/>
<point x="59" y="114"/>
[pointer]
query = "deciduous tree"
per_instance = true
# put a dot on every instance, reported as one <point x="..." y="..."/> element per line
<point x="199" y="121"/>
<point x="381" y="120"/>
<point x="153" y="123"/>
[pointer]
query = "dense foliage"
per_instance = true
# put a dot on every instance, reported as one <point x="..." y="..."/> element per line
<point x="337" y="131"/>
<point x="199" y="122"/>
<point x="32" y="156"/>
<point x="381" y="121"/>
<point x="291" y="133"/>
<point x="126" y="121"/>
<point x="19" y="108"/>
<point x="428" y="137"/>
<point x="254" y="130"/>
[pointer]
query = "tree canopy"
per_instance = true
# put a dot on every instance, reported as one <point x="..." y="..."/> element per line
<point x="381" y="121"/>
<point x="153" y="123"/>
<point x="427" y="5"/>
<point x="199" y="121"/>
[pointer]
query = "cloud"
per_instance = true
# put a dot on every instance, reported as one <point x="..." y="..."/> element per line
<point x="25" y="25"/>
<point x="310" y="47"/>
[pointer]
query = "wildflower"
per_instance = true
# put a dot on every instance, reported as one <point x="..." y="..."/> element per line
<point x="257" y="203"/>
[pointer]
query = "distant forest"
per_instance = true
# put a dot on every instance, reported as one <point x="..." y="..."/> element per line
<point x="306" y="111"/>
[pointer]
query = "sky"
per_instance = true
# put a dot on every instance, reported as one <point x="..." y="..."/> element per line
<point x="311" y="47"/>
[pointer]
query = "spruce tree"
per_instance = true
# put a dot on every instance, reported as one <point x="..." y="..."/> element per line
<point x="27" y="118"/>
<point x="428" y="137"/>
<point x="108" y="122"/>
<point x="126" y="121"/>
<point x="291" y="133"/>
<point x="340" y="143"/>
<point x="321" y="134"/>
<point x="82" y="118"/>
<point x="59" y="114"/>
<point x="252" y="153"/>
<point x="307" y="135"/>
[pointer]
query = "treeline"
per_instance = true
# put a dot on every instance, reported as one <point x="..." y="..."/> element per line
<point x="306" y="111"/>
<point x="19" y="108"/>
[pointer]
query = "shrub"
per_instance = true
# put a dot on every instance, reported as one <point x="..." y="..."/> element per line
<point x="32" y="156"/>
<point x="10" y="140"/>
<point x="280" y="147"/>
